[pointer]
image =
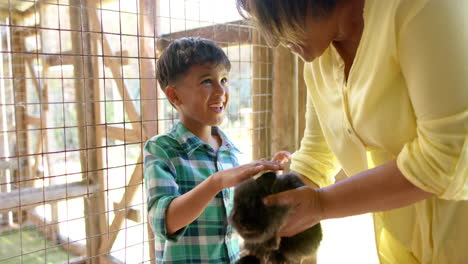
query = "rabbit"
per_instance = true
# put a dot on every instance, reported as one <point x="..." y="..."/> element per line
<point x="258" y="224"/>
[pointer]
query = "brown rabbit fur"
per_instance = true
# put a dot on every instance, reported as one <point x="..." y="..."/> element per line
<point x="258" y="224"/>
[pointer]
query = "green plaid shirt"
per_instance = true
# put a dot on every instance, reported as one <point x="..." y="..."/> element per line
<point x="174" y="164"/>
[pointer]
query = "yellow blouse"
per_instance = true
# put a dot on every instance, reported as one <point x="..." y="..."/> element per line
<point x="406" y="98"/>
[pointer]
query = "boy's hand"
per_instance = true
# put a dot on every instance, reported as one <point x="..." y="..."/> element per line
<point x="282" y="157"/>
<point x="234" y="176"/>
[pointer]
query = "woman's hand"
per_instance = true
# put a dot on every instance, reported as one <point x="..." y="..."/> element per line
<point x="232" y="177"/>
<point x="306" y="209"/>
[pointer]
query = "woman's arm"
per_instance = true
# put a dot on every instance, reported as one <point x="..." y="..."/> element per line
<point x="379" y="189"/>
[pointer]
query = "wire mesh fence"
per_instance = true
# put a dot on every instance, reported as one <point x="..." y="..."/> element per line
<point x="78" y="99"/>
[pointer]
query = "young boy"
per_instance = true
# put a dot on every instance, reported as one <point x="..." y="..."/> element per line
<point x="189" y="170"/>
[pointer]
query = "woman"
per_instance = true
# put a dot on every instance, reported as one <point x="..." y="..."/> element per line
<point x="388" y="103"/>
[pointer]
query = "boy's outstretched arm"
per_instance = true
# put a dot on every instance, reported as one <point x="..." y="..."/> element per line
<point x="184" y="209"/>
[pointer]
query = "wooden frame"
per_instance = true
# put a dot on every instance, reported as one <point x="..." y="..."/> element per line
<point x="268" y="110"/>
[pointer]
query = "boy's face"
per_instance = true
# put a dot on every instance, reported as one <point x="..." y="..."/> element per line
<point x="201" y="96"/>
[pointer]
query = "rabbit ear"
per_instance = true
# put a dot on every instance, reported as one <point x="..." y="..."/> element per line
<point x="249" y="259"/>
<point x="267" y="179"/>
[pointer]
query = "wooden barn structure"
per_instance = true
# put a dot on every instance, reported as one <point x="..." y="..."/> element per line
<point x="78" y="99"/>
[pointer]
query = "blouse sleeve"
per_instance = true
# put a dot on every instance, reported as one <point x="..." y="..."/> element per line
<point x="434" y="62"/>
<point x="314" y="159"/>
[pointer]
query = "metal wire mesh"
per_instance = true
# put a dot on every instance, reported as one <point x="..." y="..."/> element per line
<point x="78" y="99"/>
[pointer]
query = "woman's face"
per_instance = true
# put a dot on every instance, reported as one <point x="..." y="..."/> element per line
<point x="318" y="35"/>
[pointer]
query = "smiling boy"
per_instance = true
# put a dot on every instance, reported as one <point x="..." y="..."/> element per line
<point x="189" y="170"/>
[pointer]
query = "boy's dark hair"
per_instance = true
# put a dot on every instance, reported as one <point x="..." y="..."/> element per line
<point x="183" y="53"/>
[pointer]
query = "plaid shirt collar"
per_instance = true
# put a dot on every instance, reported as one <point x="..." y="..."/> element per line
<point x="190" y="142"/>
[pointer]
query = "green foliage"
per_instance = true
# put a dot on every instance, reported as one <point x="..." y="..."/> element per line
<point x="27" y="246"/>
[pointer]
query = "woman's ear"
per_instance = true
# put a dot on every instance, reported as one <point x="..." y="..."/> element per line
<point x="172" y="95"/>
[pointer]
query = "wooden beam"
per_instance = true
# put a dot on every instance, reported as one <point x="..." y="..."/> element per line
<point x="68" y="58"/>
<point x="32" y="121"/>
<point x="151" y="108"/>
<point x="151" y="243"/>
<point x="261" y="98"/>
<point x="25" y="31"/>
<point x="31" y="10"/>
<point x="122" y="134"/>
<point x="131" y="214"/>
<point x="88" y="114"/>
<point x="20" y="95"/>
<point x="30" y="197"/>
<point x="116" y="73"/>
<point x="40" y="122"/>
<point x="50" y="231"/>
<point x="37" y="85"/>
<point x="129" y="194"/>
<point x="235" y="32"/>
<point x="150" y="92"/>
<point x="44" y="95"/>
<point x="284" y="114"/>
<point x="64" y="58"/>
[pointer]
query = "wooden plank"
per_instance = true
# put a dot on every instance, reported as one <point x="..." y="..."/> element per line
<point x="88" y="113"/>
<point x="122" y="134"/>
<point x="31" y="10"/>
<point x="151" y="243"/>
<point x="37" y="122"/>
<point x="235" y="32"/>
<point x="150" y="92"/>
<point x="284" y="114"/>
<point x="20" y="94"/>
<point x="67" y="58"/>
<point x="116" y="73"/>
<point x="32" y="121"/>
<point x="131" y="214"/>
<point x="128" y="196"/>
<point x="47" y="228"/>
<point x="44" y="21"/>
<point x="37" y="85"/>
<point x="261" y="98"/>
<point x="30" y="197"/>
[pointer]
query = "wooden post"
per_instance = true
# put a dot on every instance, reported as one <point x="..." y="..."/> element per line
<point x="289" y="101"/>
<point x="149" y="87"/>
<point x="148" y="22"/>
<point x="20" y="94"/>
<point x="44" y="95"/>
<point x="284" y="105"/>
<point x="121" y="211"/>
<point x="261" y="98"/>
<point x="88" y="115"/>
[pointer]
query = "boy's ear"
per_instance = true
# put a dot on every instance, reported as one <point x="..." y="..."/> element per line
<point x="172" y="95"/>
